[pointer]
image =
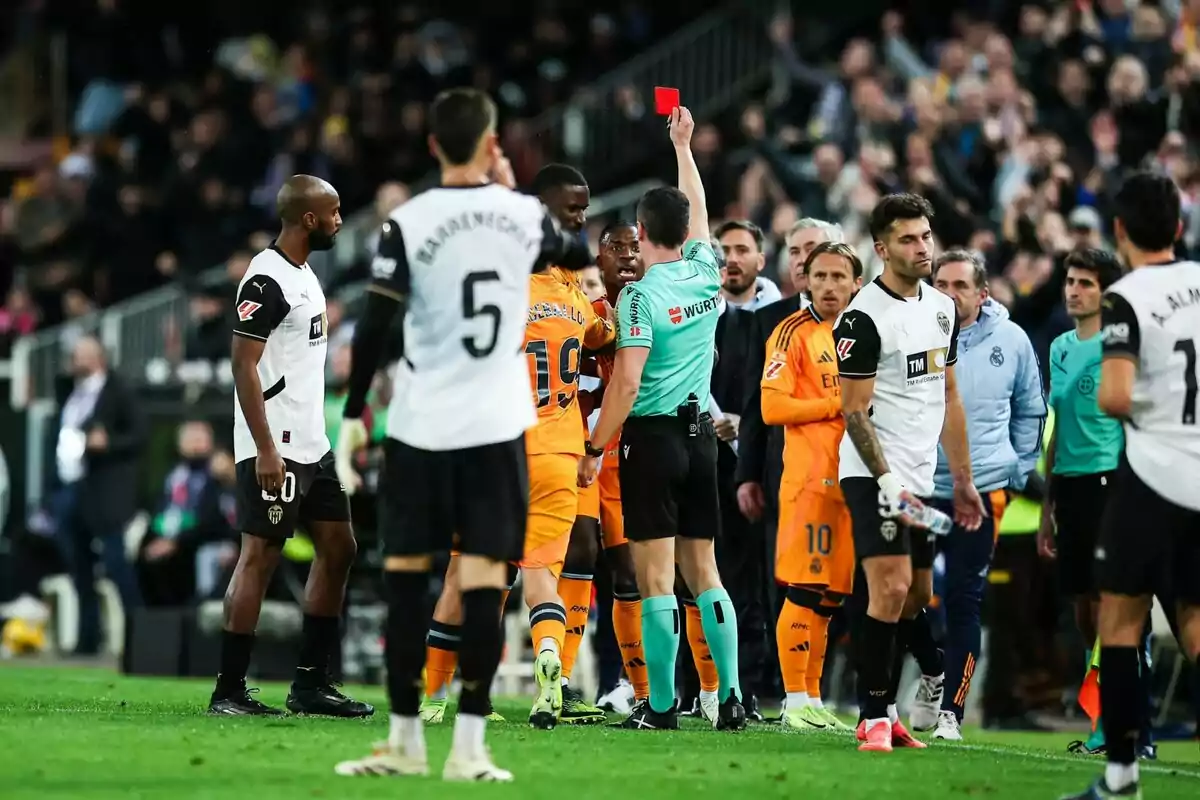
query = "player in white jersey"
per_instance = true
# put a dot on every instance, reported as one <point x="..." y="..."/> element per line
<point x="457" y="259"/>
<point x="896" y="344"/>
<point x="1149" y="542"/>
<point x="285" y="470"/>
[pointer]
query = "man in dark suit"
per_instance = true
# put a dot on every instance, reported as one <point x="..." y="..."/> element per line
<point x="760" y="448"/>
<point x="100" y="439"/>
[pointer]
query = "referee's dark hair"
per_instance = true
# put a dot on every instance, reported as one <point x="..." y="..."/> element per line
<point x="1101" y="263"/>
<point x="746" y="225"/>
<point x="552" y="176"/>
<point x="1148" y="207"/>
<point x="836" y="249"/>
<point x="893" y="207"/>
<point x="664" y="213"/>
<point x="458" y="119"/>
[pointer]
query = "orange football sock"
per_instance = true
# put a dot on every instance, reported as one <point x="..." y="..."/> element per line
<point x="818" y="637"/>
<point x="547" y="621"/>
<point x="792" y="633"/>
<point x="627" y="625"/>
<point x="576" y="594"/>
<point x="706" y="668"/>
<point x="441" y="658"/>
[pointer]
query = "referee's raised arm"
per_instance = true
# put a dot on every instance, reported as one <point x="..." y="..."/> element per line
<point x="690" y="184"/>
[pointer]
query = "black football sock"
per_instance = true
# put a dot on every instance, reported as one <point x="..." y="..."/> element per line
<point x="899" y="654"/>
<point x="1120" y="702"/>
<point x="409" y="610"/>
<point x="235" y="660"/>
<point x="479" y="651"/>
<point x="321" y="636"/>
<point x="875" y="655"/>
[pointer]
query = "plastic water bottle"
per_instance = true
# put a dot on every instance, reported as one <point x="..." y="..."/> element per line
<point x="930" y="518"/>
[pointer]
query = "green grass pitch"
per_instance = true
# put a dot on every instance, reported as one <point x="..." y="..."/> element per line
<point x="86" y="733"/>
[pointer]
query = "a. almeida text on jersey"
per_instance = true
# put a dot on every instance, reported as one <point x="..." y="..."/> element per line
<point x="1152" y="315"/>
<point x="461" y="257"/>
<point x="905" y="344"/>
<point x="281" y="303"/>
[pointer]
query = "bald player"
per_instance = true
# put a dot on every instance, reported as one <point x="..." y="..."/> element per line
<point x="285" y="469"/>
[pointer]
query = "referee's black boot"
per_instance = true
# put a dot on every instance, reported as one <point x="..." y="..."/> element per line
<point x="645" y="718"/>
<point x="322" y="698"/>
<point x="731" y="716"/>
<point x="238" y="701"/>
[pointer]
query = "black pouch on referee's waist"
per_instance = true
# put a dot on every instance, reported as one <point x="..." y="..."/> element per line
<point x="689" y="413"/>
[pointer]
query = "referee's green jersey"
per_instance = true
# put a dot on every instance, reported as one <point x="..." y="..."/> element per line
<point x="1086" y="440"/>
<point x="673" y="310"/>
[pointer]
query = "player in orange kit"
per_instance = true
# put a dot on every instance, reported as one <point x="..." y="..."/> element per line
<point x="561" y="325"/>
<point x="620" y="264"/>
<point x="814" y="554"/>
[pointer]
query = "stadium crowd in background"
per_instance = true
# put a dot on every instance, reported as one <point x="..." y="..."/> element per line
<point x="1016" y="126"/>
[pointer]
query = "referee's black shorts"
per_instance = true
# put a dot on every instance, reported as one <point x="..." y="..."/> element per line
<point x="1079" y="503"/>
<point x="669" y="479"/>
<point x="876" y="536"/>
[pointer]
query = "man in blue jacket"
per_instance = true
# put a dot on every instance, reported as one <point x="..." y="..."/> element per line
<point x="1001" y="390"/>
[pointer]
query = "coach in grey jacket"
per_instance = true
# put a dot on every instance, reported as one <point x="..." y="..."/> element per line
<point x="1001" y="389"/>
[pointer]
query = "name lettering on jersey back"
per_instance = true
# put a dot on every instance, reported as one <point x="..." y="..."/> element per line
<point x="465" y="223"/>
<point x="925" y="367"/>
<point x="1177" y="301"/>
<point x="539" y="311"/>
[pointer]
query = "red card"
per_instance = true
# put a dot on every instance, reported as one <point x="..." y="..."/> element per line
<point x="666" y="100"/>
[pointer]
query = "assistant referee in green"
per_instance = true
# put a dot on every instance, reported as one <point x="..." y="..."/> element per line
<point x="666" y="335"/>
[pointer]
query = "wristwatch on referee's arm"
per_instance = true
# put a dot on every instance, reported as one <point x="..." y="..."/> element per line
<point x="592" y="450"/>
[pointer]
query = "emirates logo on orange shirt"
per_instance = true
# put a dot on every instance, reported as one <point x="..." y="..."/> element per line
<point x="676" y="315"/>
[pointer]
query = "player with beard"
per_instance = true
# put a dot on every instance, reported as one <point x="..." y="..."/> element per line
<point x="285" y="468"/>
<point x="897" y="343"/>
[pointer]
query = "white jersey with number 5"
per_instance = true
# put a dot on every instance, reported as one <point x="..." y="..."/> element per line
<point x="1152" y="316"/>
<point x="461" y="258"/>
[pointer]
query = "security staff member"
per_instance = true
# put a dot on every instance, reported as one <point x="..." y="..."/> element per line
<point x="659" y="393"/>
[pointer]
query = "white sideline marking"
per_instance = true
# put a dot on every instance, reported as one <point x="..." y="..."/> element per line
<point x="1082" y="761"/>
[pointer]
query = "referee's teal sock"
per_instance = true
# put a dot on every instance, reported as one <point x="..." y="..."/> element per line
<point x="660" y="639"/>
<point x="721" y="631"/>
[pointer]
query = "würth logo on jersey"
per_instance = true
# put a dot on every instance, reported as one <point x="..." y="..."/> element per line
<point x="246" y="309"/>
<point x="927" y="366"/>
<point x="318" y="329"/>
<point x="695" y="309"/>
<point x="676" y="315"/>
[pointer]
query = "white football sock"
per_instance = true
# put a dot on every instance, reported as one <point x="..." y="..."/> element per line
<point x="407" y="734"/>
<point x="1118" y="776"/>
<point x="468" y="736"/>
<point x="893" y="714"/>
<point x="797" y="700"/>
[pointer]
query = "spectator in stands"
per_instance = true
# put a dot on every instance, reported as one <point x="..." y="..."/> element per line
<point x="18" y="317"/>
<point x="100" y="440"/>
<point x="196" y="510"/>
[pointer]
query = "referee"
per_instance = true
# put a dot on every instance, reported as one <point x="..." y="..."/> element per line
<point x="666" y="334"/>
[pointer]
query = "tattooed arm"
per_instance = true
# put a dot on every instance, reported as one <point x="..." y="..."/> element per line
<point x="858" y="349"/>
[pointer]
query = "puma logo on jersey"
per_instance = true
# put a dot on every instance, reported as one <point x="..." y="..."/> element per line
<point x="259" y="286"/>
<point x="246" y="309"/>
